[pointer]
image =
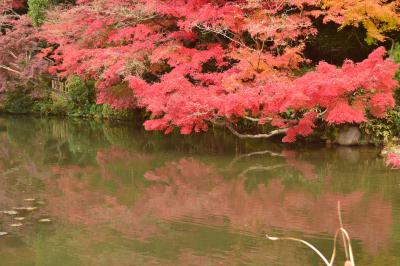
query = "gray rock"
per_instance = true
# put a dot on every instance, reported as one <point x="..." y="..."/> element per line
<point x="349" y="136"/>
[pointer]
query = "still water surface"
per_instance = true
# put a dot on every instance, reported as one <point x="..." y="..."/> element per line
<point x="107" y="194"/>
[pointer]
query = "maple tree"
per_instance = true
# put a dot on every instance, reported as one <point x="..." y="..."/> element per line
<point x="196" y="63"/>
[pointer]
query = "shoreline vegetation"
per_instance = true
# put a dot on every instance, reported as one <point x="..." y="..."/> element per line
<point x="280" y="70"/>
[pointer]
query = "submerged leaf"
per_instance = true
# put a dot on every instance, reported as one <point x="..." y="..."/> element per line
<point x="16" y="225"/>
<point x="29" y="199"/>
<point x="29" y="208"/>
<point x="10" y="212"/>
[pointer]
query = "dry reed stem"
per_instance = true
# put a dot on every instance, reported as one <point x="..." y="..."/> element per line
<point x="346" y="243"/>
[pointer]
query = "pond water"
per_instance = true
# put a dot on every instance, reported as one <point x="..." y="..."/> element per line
<point x="89" y="193"/>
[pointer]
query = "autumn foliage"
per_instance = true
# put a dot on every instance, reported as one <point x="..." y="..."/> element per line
<point x="18" y="44"/>
<point x="378" y="17"/>
<point x="196" y="63"/>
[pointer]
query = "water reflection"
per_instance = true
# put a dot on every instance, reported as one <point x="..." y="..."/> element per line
<point x="138" y="198"/>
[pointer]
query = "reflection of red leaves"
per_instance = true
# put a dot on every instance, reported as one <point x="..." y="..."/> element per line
<point x="306" y="168"/>
<point x="190" y="188"/>
<point x="117" y="154"/>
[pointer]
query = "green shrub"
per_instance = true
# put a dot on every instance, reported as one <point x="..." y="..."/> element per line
<point x="117" y="114"/>
<point x="37" y="9"/>
<point x="394" y="53"/>
<point x="79" y="100"/>
<point x="380" y="131"/>
<point x="81" y="96"/>
<point x="18" y="101"/>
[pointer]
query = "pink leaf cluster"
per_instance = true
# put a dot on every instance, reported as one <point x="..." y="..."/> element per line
<point x="176" y="102"/>
<point x="393" y="160"/>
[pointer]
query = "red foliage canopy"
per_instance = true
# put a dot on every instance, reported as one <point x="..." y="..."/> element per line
<point x="195" y="62"/>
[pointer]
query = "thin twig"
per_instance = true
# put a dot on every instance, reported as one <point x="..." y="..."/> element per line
<point x="10" y="69"/>
<point x="261" y="168"/>
<point x="226" y="36"/>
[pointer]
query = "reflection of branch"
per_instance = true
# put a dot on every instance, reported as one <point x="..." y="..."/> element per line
<point x="58" y="146"/>
<point x="261" y="168"/>
<point x="274" y="154"/>
<point x="9" y="171"/>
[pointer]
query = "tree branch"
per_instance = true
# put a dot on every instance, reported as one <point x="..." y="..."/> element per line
<point x="220" y="32"/>
<point x="256" y="136"/>
<point x="250" y="136"/>
<point x="253" y="119"/>
<point x="10" y="69"/>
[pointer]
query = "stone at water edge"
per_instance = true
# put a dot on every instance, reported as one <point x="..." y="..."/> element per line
<point x="349" y="136"/>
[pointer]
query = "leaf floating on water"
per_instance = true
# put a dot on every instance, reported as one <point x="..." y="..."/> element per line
<point x="19" y="218"/>
<point x="41" y="202"/>
<point x="11" y="212"/>
<point x="29" y="199"/>
<point x="45" y="220"/>
<point x="16" y="225"/>
<point x="30" y="208"/>
<point x="19" y="208"/>
<point x="3" y="233"/>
